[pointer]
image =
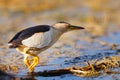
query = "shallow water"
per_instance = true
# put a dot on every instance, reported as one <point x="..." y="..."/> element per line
<point x="77" y="57"/>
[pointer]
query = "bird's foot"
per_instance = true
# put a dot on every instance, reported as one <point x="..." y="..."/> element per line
<point x="35" y="62"/>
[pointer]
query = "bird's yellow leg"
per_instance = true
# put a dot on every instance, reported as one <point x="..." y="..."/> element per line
<point x="30" y="63"/>
<point x="26" y="61"/>
<point x="35" y="62"/>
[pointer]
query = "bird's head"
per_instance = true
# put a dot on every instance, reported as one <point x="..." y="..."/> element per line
<point x="64" y="26"/>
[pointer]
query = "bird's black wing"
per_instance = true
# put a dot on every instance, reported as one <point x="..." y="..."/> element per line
<point x="26" y="33"/>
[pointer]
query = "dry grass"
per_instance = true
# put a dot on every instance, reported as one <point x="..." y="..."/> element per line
<point x="106" y="65"/>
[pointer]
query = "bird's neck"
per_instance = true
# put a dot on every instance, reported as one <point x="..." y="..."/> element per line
<point x="56" y="34"/>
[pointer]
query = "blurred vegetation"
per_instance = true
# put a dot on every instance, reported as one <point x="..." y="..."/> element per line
<point x="96" y="15"/>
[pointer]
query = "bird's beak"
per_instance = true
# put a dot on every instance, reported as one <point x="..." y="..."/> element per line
<point x="73" y="27"/>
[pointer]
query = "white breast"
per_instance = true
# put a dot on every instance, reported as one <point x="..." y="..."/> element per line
<point x="40" y="40"/>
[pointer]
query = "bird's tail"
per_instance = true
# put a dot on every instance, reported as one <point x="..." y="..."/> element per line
<point x="11" y="45"/>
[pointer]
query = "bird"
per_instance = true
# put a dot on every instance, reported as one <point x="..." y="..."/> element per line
<point x="33" y="40"/>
